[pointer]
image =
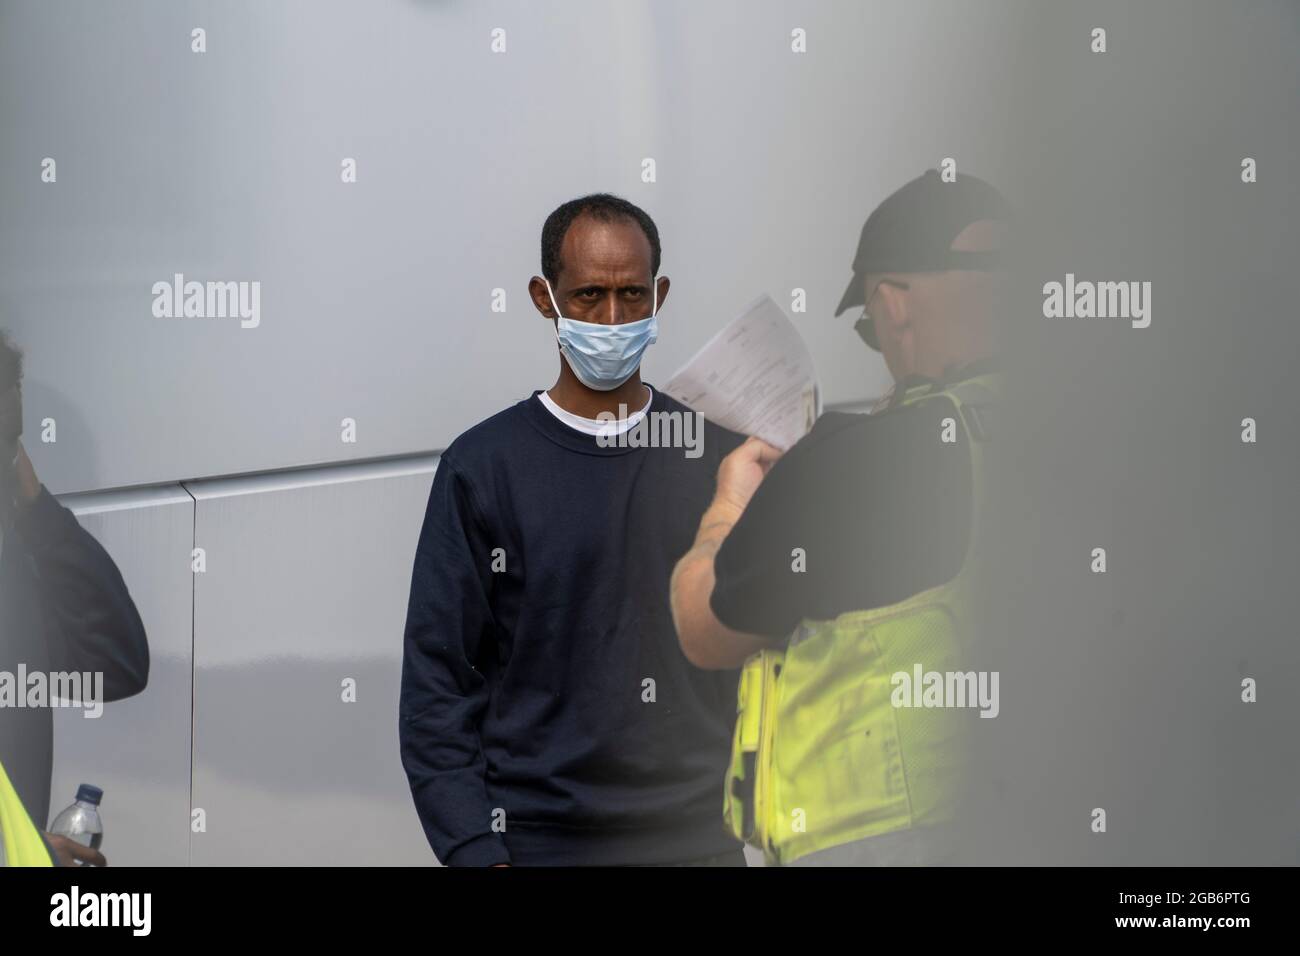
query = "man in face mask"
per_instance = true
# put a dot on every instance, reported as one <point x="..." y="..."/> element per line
<point x="548" y="715"/>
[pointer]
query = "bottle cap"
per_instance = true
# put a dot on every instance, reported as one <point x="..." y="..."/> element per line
<point x="90" y="793"/>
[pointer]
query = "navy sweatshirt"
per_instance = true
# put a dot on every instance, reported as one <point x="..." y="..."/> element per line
<point x="548" y="715"/>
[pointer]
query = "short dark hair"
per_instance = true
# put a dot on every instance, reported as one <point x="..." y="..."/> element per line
<point x="11" y="363"/>
<point x="602" y="207"/>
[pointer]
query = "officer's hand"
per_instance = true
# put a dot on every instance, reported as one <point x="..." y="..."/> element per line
<point x="743" y="471"/>
<point x="69" y="852"/>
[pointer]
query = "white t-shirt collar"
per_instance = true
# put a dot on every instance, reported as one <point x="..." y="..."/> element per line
<point x="594" y="426"/>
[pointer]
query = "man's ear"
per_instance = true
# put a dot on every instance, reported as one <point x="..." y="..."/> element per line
<point x="661" y="287"/>
<point x="542" y="301"/>
<point x="11" y="410"/>
<point x="894" y="314"/>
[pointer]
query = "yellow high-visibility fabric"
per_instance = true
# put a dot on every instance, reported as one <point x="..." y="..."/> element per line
<point x="20" y="841"/>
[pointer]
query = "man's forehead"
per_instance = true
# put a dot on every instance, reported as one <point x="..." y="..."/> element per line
<point x="616" y="251"/>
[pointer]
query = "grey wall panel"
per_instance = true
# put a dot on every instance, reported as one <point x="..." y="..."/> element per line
<point x="138" y="750"/>
<point x="375" y="304"/>
<point x="306" y="586"/>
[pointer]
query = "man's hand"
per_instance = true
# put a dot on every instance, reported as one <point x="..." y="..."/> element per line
<point x="742" y="472"/>
<point x="68" y="852"/>
<point x="707" y="642"/>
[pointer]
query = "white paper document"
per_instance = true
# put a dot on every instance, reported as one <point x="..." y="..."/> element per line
<point x="754" y="377"/>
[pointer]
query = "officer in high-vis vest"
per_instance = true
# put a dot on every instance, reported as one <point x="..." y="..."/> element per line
<point x="21" y="843"/>
<point x="830" y="572"/>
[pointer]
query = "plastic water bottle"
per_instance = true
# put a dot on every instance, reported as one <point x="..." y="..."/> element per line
<point x="80" y="822"/>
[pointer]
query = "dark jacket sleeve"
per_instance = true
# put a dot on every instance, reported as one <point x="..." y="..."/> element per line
<point x="448" y="624"/>
<point x="877" y="506"/>
<point x="90" y="621"/>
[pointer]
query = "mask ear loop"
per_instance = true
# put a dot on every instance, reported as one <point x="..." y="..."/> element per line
<point x="554" y="304"/>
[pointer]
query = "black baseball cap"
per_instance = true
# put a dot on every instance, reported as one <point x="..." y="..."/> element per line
<point x="913" y="231"/>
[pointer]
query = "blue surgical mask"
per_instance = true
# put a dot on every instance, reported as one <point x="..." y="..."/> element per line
<point x="603" y="357"/>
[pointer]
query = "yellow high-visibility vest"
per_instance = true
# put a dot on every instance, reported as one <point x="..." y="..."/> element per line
<point x="820" y="756"/>
<point x="20" y="841"/>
